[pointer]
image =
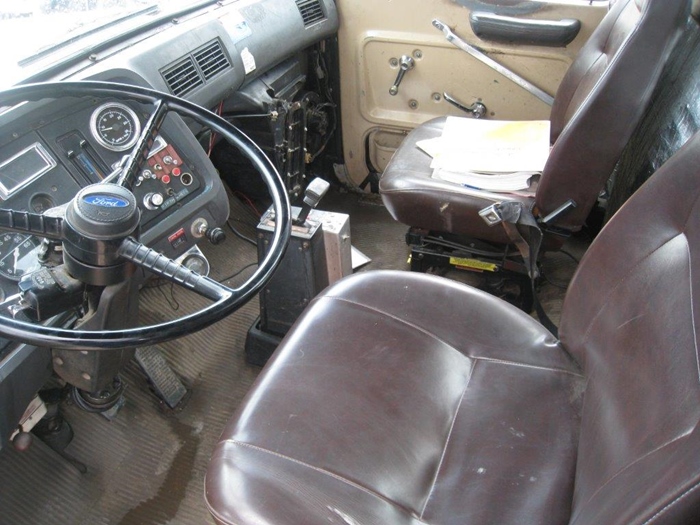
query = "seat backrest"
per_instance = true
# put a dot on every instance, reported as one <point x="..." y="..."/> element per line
<point x="631" y="319"/>
<point x="602" y="98"/>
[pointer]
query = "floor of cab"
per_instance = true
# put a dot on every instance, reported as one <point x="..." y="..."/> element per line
<point x="147" y="466"/>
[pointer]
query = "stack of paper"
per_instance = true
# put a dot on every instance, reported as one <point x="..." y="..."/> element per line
<point x="493" y="155"/>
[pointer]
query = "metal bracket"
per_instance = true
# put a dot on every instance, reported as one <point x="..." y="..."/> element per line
<point x="504" y="211"/>
<point x="479" y="55"/>
<point x="491" y="215"/>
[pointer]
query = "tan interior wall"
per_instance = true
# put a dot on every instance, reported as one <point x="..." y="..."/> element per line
<point x="372" y="33"/>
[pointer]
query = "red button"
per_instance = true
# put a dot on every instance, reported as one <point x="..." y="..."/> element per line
<point x="165" y="179"/>
<point x="176" y="172"/>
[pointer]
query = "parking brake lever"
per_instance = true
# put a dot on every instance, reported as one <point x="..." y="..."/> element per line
<point x="313" y="194"/>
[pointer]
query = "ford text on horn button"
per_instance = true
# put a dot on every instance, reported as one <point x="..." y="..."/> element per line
<point x="106" y="201"/>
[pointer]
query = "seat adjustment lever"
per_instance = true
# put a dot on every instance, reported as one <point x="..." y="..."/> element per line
<point x="561" y="210"/>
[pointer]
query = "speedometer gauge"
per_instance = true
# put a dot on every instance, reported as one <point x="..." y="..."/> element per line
<point x="18" y="255"/>
<point x="115" y="126"/>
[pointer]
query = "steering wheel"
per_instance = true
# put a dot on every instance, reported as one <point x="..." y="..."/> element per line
<point x="99" y="231"/>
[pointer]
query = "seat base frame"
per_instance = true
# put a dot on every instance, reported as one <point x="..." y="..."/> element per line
<point x="500" y="268"/>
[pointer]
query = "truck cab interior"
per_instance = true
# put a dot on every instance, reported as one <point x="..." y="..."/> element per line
<point x="235" y="290"/>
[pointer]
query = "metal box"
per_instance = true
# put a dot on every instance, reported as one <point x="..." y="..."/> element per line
<point x="336" y="238"/>
<point x="302" y="274"/>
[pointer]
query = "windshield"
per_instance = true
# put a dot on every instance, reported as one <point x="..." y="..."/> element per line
<point x="51" y="29"/>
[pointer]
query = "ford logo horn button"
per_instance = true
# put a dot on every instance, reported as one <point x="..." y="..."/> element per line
<point x="106" y="201"/>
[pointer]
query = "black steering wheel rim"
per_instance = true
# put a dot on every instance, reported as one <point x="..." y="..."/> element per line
<point x="41" y="335"/>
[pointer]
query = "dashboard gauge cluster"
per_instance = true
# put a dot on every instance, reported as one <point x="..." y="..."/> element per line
<point x="115" y="126"/>
<point x="46" y="166"/>
<point x="165" y="179"/>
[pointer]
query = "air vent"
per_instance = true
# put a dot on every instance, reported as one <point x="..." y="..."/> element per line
<point x="211" y="59"/>
<point x="311" y="11"/>
<point x="183" y="76"/>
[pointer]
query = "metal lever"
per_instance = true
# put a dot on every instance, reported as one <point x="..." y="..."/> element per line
<point x="479" y="55"/>
<point x="406" y="64"/>
<point x="315" y="191"/>
<point x="477" y="109"/>
<point x="561" y="210"/>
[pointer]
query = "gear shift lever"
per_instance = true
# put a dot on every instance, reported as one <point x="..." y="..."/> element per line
<point x="315" y="191"/>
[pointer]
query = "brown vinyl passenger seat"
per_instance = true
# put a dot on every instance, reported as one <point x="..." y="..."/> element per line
<point x="405" y="398"/>
<point x="598" y="104"/>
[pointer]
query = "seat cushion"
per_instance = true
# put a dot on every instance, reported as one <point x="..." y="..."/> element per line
<point x="404" y="398"/>
<point x="414" y="198"/>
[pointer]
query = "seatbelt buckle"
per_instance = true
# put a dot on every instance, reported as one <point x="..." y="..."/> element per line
<point x="492" y="214"/>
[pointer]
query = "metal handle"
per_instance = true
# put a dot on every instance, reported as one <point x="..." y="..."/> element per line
<point x="477" y="109"/>
<point x="406" y="64"/>
<point x="479" y="55"/>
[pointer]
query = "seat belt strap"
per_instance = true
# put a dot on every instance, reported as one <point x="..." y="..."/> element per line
<point x="524" y="232"/>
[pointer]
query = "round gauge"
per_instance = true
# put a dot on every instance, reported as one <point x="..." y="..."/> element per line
<point x="18" y="255"/>
<point x="115" y="126"/>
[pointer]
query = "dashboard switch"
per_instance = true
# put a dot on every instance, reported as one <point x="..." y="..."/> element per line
<point x="199" y="227"/>
<point x="153" y="200"/>
<point x="215" y="235"/>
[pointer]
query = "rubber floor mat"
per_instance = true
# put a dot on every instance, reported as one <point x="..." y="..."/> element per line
<point x="147" y="466"/>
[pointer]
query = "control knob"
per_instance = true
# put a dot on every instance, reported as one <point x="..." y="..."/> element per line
<point x="215" y="235"/>
<point x="153" y="200"/>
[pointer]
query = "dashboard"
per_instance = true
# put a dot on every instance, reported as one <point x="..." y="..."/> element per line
<point x="51" y="148"/>
<point x="68" y="146"/>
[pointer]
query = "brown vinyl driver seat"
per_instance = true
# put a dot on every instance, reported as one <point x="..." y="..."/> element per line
<point x="405" y="398"/>
<point x="599" y="102"/>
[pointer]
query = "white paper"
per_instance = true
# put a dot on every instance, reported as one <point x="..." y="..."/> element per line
<point x="248" y="61"/>
<point x="496" y="182"/>
<point x="490" y="146"/>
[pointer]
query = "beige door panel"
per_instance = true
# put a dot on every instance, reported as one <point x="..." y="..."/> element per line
<point x="382" y="145"/>
<point x="374" y="36"/>
<point x="443" y="68"/>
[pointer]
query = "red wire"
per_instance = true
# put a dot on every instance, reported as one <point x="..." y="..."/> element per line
<point x="250" y="202"/>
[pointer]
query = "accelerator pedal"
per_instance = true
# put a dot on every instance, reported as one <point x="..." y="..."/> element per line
<point x="165" y="381"/>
